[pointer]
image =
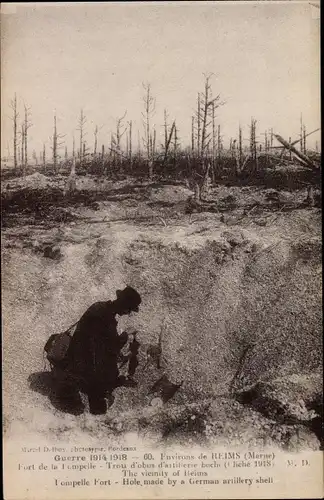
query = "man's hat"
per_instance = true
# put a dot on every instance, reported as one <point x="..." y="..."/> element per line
<point x="129" y="296"/>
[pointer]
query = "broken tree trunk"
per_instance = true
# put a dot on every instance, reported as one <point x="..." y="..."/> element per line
<point x="71" y="180"/>
<point x="204" y="185"/>
<point x="304" y="158"/>
<point x="167" y="145"/>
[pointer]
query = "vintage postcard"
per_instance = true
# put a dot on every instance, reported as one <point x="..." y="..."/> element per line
<point x="161" y="250"/>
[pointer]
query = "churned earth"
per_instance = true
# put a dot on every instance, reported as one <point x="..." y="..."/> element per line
<point x="233" y="294"/>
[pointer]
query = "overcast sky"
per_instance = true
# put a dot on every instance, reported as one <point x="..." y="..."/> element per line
<point x="264" y="57"/>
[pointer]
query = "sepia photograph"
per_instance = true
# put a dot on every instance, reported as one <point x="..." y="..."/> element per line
<point x="161" y="250"/>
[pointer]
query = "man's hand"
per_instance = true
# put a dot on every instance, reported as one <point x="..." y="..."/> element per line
<point x="131" y="331"/>
<point x="123" y="339"/>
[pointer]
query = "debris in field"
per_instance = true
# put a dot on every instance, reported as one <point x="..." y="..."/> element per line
<point x="194" y="205"/>
<point x="272" y="195"/>
<point x="228" y="220"/>
<point x="52" y="252"/>
<point x="163" y="221"/>
<point x="234" y="238"/>
<point x="164" y="388"/>
<point x="228" y="202"/>
<point x="261" y="222"/>
<point x="157" y="402"/>
<point x="94" y="205"/>
<point x="171" y="420"/>
<point x="61" y="214"/>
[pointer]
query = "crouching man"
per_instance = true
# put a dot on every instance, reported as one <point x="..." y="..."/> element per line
<point x="94" y="351"/>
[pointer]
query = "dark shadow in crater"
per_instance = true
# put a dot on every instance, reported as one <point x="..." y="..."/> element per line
<point x="252" y="399"/>
<point x="64" y="397"/>
<point x="164" y="389"/>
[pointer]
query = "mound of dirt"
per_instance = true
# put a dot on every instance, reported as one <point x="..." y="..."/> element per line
<point x="297" y="398"/>
<point x="34" y="181"/>
<point x="169" y="194"/>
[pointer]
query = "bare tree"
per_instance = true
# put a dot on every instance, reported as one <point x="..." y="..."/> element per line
<point x="116" y="139"/>
<point x="130" y="146"/>
<point x="304" y="140"/>
<point x="120" y="132"/>
<point x="266" y="142"/>
<point x="95" y="146"/>
<point x="219" y="142"/>
<point x="153" y="142"/>
<point x="34" y="155"/>
<point x="192" y="135"/>
<point x="167" y="146"/>
<point x="239" y="155"/>
<point x="95" y="141"/>
<point x="14" y="117"/>
<point x="149" y="109"/>
<point x="22" y="148"/>
<point x="231" y="147"/>
<point x="205" y="118"/>
<point x="198" y="125"/>
<point x="57" y="144"/>
<point x="27" y="125"/>
<point x="165" y="126"/>
<point x="44" y="157"/>
<point x="176" y="144"/>
<point x="112" y="152"/>
<point x="139" y="144"/>
<point x="266" y="147"/>
<point x="54" y="147"/>
<point x="81" y="129"/>
<point x="170" y="137"/>
<point x="85" y="150"/>
<point x="253" y="142"/>
<point x="213" y="143"/>
<point x="127" y="146"/>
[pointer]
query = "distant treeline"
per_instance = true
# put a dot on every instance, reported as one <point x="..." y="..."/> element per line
<point x="246" y="160"/>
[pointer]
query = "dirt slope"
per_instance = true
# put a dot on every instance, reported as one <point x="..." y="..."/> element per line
<point x="217" y="292"/>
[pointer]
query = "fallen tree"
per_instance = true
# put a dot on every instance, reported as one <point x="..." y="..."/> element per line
<point x="301" y="156"/>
